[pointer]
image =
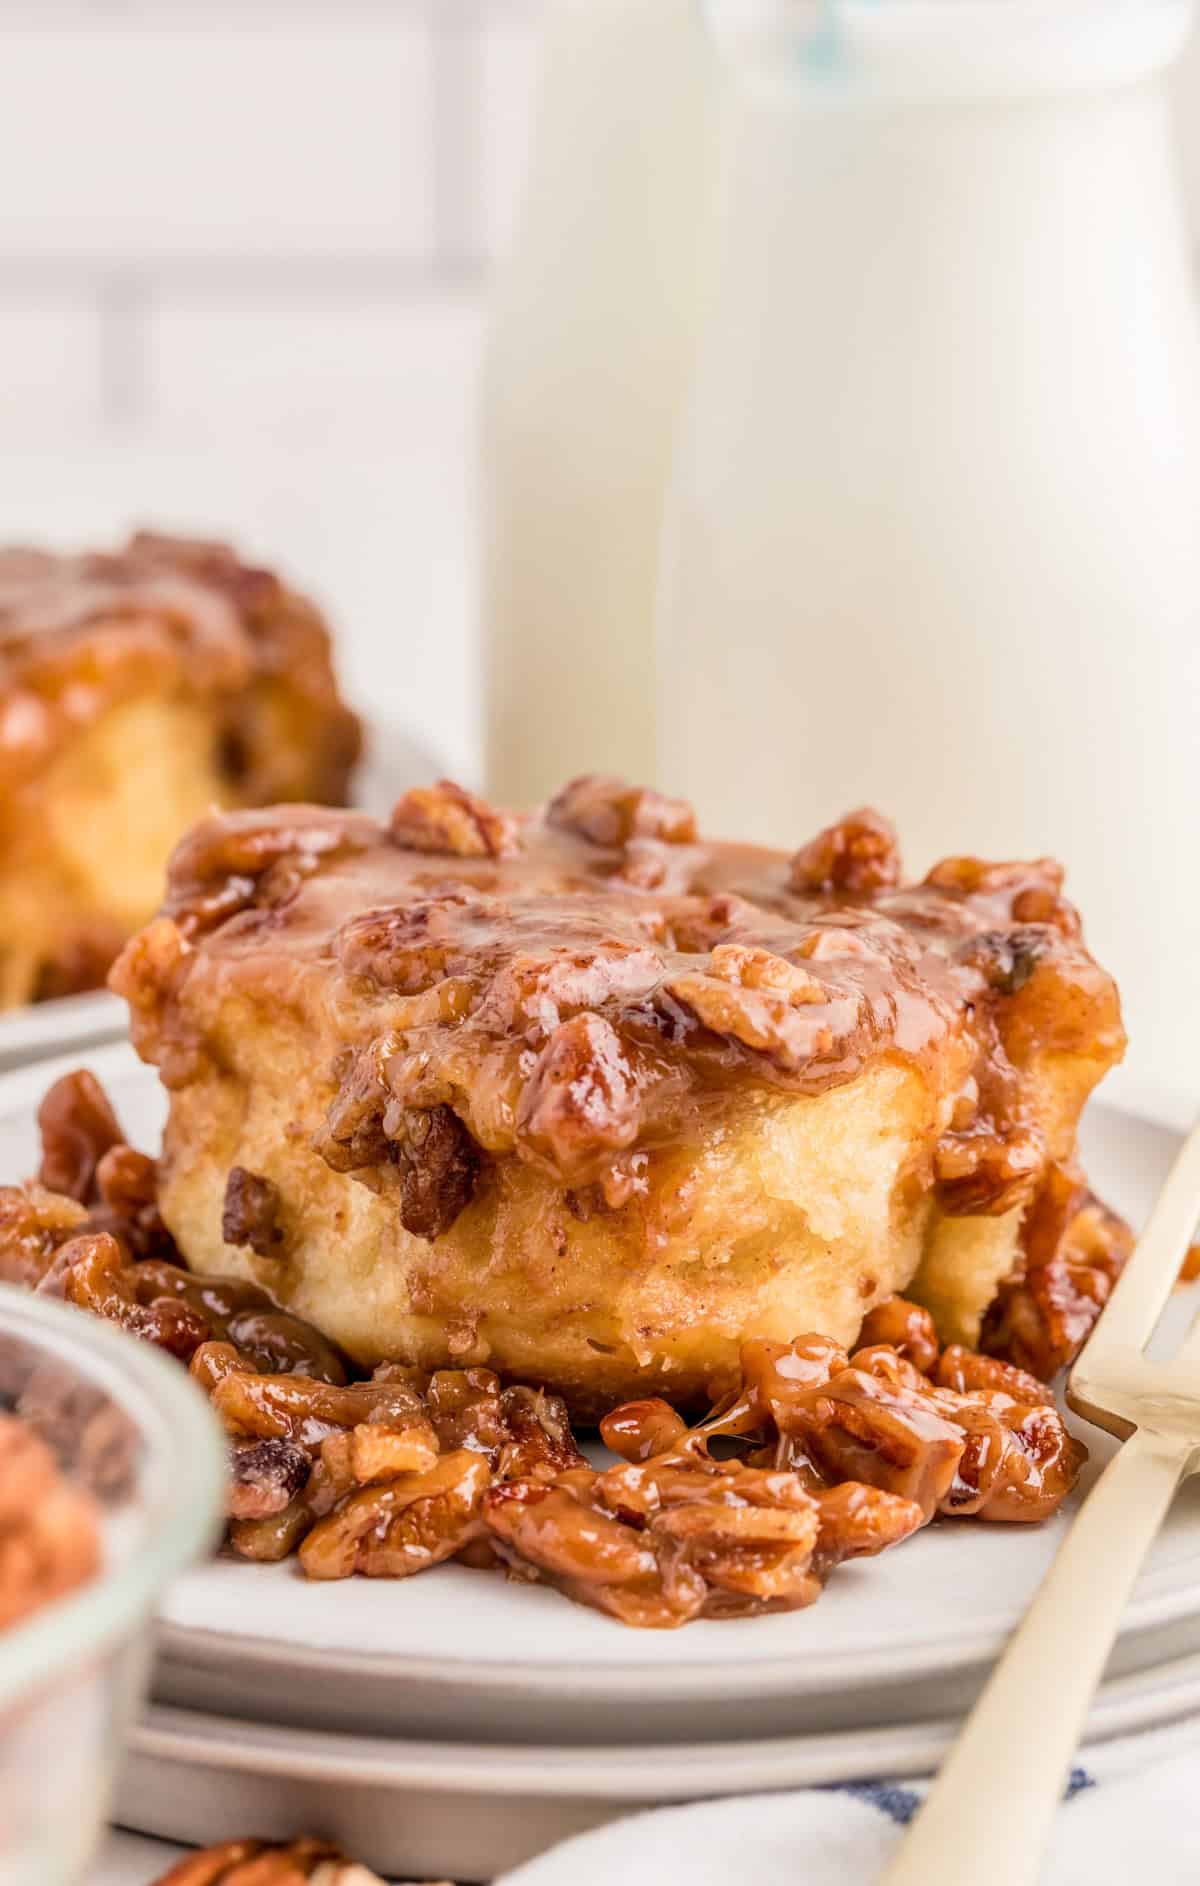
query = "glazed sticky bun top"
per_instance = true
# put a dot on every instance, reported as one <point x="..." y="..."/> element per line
<point x="80" y="633"/>
<point x="579" y="986"/>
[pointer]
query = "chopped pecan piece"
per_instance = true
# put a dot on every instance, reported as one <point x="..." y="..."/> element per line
<point x="352" y="1137"/>
<point x="250" y="1214"/>
<point x="259" y="1863"/>
<point x="127" y="1203"/>
<point x="78" y="1126"/>
<point x="1017" y="1461"/>
<point x="411" y="948"/>
<point x="881" y="1422"/>
<point x="466" y="1409"/>
<point x="746" y="968"/>
<point x="609" y="812"/>
<point x="179" y="1310"/>
<point x="856" y="857"/>
<point x="857" y="1521"/>
<point x="301" y="1409"/>
<point x="967" y="1372"/>
<point x="986" y="1173"/>
<point x="905" y="1327"/>
<point x="379" y="1453"/>
<point x="580" y="1104"/>
<point x="85" y="1157"/>
<point x="1073" y="1249"/>
<point x="265" y="1477"/>
<point x="640" y="1429"/>
<point x="1032" y="891"/>
<point x="446" y="818"/>
<point x="758" y="999"/>
<point x="229" y="862"/>
<point x="102" y="1280"/>
<point x="539" y="1444"/>
<point x="403" y="1527"/>
<point x="34" y="1226"/>
<point x="439" y="1167"/>
<point x="534" y="992"/>
<point x="680" y="1536"/>
<point x="885" y="1434"/>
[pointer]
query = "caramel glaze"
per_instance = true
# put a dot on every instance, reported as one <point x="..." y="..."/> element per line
<point x="80" y="634"/>
<point x="580" y="986"/>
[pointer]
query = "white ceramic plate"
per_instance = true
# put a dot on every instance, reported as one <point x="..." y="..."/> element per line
<point x="420" y="1809"/>
<point x="395" y="760"/>
<point x="466" y="1654"/>
<point x="72" y="1023"/>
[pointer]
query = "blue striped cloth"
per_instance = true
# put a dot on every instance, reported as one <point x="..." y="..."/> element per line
<point x="1130" y="1817"/>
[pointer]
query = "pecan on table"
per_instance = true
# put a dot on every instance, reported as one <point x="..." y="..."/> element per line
<point x="49" y="1528"/>
<point x="261" y="1863"/>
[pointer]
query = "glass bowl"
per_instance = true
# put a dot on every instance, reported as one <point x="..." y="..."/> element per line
<point x="127" y="1423"/>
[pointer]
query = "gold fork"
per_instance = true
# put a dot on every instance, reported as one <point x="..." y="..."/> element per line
<point x="988" y="1816"/>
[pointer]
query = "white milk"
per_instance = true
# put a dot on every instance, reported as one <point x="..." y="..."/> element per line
<point x="934" y="541"/>
<point x="589" y="356"/>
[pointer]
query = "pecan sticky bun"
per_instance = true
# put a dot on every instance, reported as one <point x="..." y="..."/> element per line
<point x="585" y="1099"/>
<point x="139" y="687"/>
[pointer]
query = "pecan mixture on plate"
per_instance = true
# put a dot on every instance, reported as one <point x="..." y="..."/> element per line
<point x="818" y="1456"/>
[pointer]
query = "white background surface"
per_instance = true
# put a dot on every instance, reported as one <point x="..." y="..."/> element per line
<point x="244" y="251"/>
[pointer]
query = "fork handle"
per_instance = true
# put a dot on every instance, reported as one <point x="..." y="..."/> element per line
<point x="989" y="1813"/>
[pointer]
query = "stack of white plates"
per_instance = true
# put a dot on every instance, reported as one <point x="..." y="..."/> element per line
<point x="455" y="1724"/>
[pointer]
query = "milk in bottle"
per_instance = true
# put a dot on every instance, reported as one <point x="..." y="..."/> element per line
<point x="934" y="539"/>
<point x="589" y="354"/>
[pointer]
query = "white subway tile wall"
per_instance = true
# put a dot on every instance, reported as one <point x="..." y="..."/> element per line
<point x="244" y="249"/>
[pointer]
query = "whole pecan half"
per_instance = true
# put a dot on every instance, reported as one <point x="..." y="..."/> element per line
<point x="609" y="812"/>
<point x="447" y="818"/>
<point x="857" y="856"/>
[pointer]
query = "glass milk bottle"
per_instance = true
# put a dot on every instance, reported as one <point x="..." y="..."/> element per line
<point x="589" y="355"/>
<point x="934" y="536"/>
